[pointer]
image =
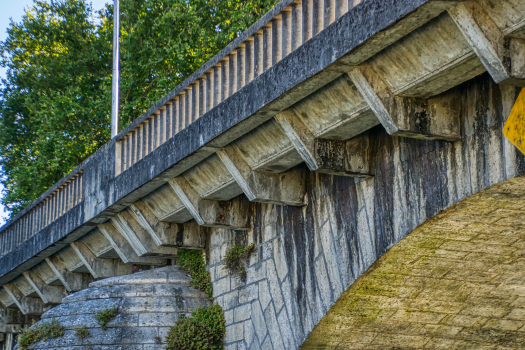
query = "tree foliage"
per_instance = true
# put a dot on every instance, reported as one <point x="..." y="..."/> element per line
<point x="55" y="101"/>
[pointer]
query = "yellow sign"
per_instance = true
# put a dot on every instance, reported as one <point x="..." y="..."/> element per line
<point x="515" y="126"/>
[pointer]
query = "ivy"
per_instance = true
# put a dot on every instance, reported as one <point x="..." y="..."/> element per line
<point x="235" y="260"/>
<point x="203" y="330"/>
<point x="104" y="316"/>
<point x="192" y="262"/>
<point x="44" y="331"/>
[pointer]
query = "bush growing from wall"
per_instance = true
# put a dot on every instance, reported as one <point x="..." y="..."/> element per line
<point x="236" y="258"/>
<point x="203" y="330"/>
<point x="192" y="262"/>
<point x="104" y="316"/>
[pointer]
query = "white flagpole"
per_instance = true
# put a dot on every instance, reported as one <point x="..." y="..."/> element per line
<point x="115" y="81"/>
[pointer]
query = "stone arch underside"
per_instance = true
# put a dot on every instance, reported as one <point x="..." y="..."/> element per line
<point x="455" y="282"/>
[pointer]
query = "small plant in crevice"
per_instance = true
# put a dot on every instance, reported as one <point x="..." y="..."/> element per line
<point x="104" y="316"/>
<point x="82" y="332"/>
<point x="236" y="259"/>
<point x="44" y="331"/>
<point x="192" y="262"/>
<point x="203" y="330"/>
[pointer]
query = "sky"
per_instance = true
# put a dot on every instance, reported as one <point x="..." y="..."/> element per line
<point x="14" y="9"/>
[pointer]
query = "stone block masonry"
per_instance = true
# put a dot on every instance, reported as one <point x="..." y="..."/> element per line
<point x="306" y="257"/>
<point x="455" y="282"/>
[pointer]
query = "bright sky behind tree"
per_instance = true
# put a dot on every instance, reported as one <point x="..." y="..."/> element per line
<point x="15" y="10"/>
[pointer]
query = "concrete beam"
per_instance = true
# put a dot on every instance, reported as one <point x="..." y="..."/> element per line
<point x="191" y="235"/>
<point x="267" y="149"/>
<point x="13" y="316"/>
<point x="73" y="282"/>
<point x="232" y="214"/>
<point x="501" y="56"/>
<point x="168" y="233"/>
<point x="100" y="268"/>
<point x="337" y="111"/>
<point x="434" y="119"/>
<point x="124" y="249"/>
<point x="166" y="205"/>
<point x="139" y="239"/>
<point x="99" y="245"/>
<point x="346" y="158"/>
<point x="212" y="181"/>
<point x="162" y="233"/>
<point x="48" y="294"/>
<point x="28" y="306"/>
<point x="287" y="188"/>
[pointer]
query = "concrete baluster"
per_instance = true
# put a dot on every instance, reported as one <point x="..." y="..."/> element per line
<point x="258" y="53"/>
<point x="241" y="71"/>
<point x="341" y="7"/>
<point x="307" y="19"/>
<point x="232" y="70"/>
<point x="329" y="12"/>
<point x="286" y="31"/>
<point x="277" y="39"/>
<point x="248" y="60"/>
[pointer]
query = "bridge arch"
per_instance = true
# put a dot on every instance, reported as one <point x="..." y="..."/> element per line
<point x="455" y="282"/>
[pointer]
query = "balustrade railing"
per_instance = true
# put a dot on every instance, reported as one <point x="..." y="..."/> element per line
<point x="292" y="26"/>
<point x="57" y="203"/>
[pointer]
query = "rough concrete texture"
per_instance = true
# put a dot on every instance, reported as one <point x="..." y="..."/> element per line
<point x="147" y="303"/>
<point x="455" y="282"/>
<point x="306" y="257"/>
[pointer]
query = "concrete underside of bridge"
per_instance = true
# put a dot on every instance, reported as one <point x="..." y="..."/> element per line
<point x="455" y="282"/>
<point x="325" y="160"/>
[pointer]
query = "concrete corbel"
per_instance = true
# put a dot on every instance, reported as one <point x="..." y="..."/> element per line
<point x="28" y="306"/>
<point x="139" y="239"/>
<point x="287" y="188"/>
<point x="169" y="233"/>
<point x="162" y="233"/>
<point x="501" y="56"/>
<point x="73" y="282"/>
<point x="48" y="294"/>
<point x="232" y="214"/>
<point x="124" y="249"/>
<point x="100" y="268"/>
<point x="434" y="119"/>
<point x="344" y="158"/>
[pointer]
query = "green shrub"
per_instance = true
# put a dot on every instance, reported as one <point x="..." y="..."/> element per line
<point x="203" y="330"/>
<point x="104" y="316"/>
<point x="192" y="262"/>
<point x="235" y="259"/>
<point x="44" y="331"/>
<point x="83" y="332"/>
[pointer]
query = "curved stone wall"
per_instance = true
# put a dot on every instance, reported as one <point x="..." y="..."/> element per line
<point x="455" y="282"/>
<point x="147" y="303"/>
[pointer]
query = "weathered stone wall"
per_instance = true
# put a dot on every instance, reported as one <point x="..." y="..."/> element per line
<point x="307" y="257"/>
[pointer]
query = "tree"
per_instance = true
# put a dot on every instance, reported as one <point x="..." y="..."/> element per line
<point x="55" y="102"/>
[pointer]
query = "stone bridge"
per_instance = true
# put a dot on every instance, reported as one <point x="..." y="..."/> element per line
<point x="324" y="134"/>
